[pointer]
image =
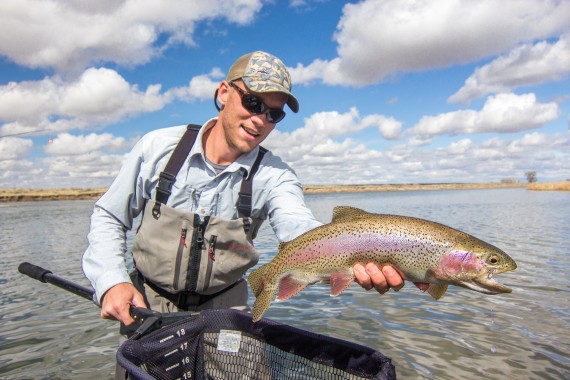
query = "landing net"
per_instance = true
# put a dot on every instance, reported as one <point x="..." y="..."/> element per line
<point x="225" y="344"/>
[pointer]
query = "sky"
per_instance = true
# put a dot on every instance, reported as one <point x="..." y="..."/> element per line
<point x="390" y="91"/>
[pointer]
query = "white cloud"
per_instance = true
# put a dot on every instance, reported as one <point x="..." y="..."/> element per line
<point x="105" y="96"/>
<point x="71" y="35"/>
<point x="92" y="167"/>
<point x="101" y="95"/>
<point x="502" y="113"/>
<point x="68" y="145"/>
<point x="88" y="160"/>
<point x="336" y="156"/>
<point x="327" y="126"/>
<point x="12" y="148"/>
<point x="200" y="87"/>
<point x="460" y="146"/>
<point x="377" y="39"/>
<point x="16" y="167"/>
<point x="388" y="127"/>
<point x="529" y="141"/>
<point x="320" y="153"/>
<point x="343" y="160"/>
<point x="28" y="101"/>
<point x="98" y="97"/>
<point x="523" y="66"/>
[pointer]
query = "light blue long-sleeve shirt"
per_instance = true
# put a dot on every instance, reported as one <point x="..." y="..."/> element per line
<point x="277" y="196"/>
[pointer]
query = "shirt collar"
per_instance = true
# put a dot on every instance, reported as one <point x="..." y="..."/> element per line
<point x="245" y="161"/>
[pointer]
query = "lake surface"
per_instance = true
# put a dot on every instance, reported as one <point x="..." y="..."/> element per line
<point x="48" y="333"/>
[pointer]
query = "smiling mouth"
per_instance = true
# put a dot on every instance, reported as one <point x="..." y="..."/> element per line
<point x="250" y="132"/>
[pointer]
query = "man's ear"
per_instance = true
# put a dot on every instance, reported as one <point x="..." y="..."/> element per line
<point x="222" y="93"/>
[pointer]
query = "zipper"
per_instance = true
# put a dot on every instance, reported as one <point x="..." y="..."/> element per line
<point x="212" y="256"/>
<point x="179" y="254"/>
<point x="196" y="252"/>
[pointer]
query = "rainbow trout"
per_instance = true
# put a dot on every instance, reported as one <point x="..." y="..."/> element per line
<point x="421" y="250"/>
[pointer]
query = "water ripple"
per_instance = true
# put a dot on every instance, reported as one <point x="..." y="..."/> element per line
<point x="47" y="333"/>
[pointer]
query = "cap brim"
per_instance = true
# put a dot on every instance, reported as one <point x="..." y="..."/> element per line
<point x="292" y="101"/>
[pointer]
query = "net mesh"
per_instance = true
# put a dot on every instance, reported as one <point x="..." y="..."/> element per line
<point x="225" y="344"/>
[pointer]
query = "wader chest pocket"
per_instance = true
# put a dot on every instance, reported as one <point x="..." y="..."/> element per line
<point x="227" y="253"/>
<point x="178" y="252"/>
<point x="161" y="249"/>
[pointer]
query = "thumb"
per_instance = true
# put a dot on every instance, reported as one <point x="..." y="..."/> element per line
<point x="138" y="300"/>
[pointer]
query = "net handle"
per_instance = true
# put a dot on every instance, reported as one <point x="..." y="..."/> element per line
<point x="146" y="319"/>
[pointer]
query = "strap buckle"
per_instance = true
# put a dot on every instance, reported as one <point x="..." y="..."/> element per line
<point x="186" y="299"/>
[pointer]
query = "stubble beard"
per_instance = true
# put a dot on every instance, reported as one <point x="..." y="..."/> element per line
<point x="233" y="140"/>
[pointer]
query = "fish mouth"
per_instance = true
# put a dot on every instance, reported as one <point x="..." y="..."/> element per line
<point x="486" y="285"/>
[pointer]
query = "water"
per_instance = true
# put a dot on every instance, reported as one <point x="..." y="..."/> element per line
<point x="47" y="333"/>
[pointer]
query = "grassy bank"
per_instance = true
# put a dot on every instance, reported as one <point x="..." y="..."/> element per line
<point x="319" y="189"/>
<point x="550" y="186"/>
<point x="22" y="194"/>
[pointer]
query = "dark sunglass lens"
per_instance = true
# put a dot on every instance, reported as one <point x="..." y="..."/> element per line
<point x="252" y="103"/>
<point x="255" y="105"/>
<point x="275" y="115"/>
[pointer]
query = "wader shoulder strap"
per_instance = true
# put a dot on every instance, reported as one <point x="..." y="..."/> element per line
<point x="244" y="201"/>
<point x="168" y="175"/>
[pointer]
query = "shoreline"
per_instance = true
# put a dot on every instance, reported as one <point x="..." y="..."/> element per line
<point x="324" y="189"/>
<point x="29" y="194"/>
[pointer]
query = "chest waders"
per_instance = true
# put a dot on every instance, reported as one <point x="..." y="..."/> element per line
<point x="189" y="263"/>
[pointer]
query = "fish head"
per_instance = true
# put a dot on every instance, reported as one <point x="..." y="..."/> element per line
<point x="473" y="264"/>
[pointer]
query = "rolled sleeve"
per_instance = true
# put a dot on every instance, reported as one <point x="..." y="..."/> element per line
<point x="288" y="214"/>
<point x="104" y="260"/>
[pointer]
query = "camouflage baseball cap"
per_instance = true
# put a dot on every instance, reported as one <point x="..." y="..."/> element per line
<point x="262" y="72"/>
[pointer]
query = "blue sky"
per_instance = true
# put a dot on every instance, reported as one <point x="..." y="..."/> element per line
<point x="390" y="91"/>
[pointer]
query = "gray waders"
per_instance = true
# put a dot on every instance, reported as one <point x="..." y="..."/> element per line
<point x="185" y="263"/>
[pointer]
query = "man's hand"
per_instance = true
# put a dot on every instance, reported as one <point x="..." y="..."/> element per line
<point x="381" y="279"/>
<point x="118" y="300"/>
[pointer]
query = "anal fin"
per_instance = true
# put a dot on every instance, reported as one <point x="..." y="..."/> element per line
<point x="437" y="290"/>
<point x="290" y="286"/>
<point x="339" y="282"/>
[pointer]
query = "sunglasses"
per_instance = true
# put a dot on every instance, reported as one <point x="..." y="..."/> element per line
<point x="256" y="106"/>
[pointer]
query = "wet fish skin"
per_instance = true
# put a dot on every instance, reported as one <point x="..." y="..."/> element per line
<point x="422" y="251"/>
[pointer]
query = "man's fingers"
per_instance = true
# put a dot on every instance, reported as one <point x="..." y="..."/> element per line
<point x="378" y="278"/>
<point x="138" y="301"/>
<point x="119" y="313"/>
<point x="393" y="277"/>
<point x="117" y="301"/>
<point x="381" y="279"/>
<point x="361" y="277"/>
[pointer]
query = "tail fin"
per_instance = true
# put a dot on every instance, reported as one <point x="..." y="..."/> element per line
<point x="256" y="279"/>
<point x="263" y="290"/>
<point x="262" y="302"/>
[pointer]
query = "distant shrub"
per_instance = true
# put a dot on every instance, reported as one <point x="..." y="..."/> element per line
<point x="530" y="177"/>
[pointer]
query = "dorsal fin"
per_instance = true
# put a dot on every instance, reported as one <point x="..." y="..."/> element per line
<point x="347" y="213"/>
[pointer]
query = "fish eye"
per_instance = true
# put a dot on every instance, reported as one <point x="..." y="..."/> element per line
<point x="493" y="260"/>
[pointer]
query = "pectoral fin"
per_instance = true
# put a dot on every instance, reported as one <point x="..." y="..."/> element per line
<point x="339" y="282"/>
<point x="437" y="290"/>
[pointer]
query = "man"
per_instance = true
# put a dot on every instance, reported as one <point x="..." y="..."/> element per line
<point x="195" y="239"/>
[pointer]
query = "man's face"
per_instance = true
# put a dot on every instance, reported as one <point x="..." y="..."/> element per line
<point x="243" y="129"/>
